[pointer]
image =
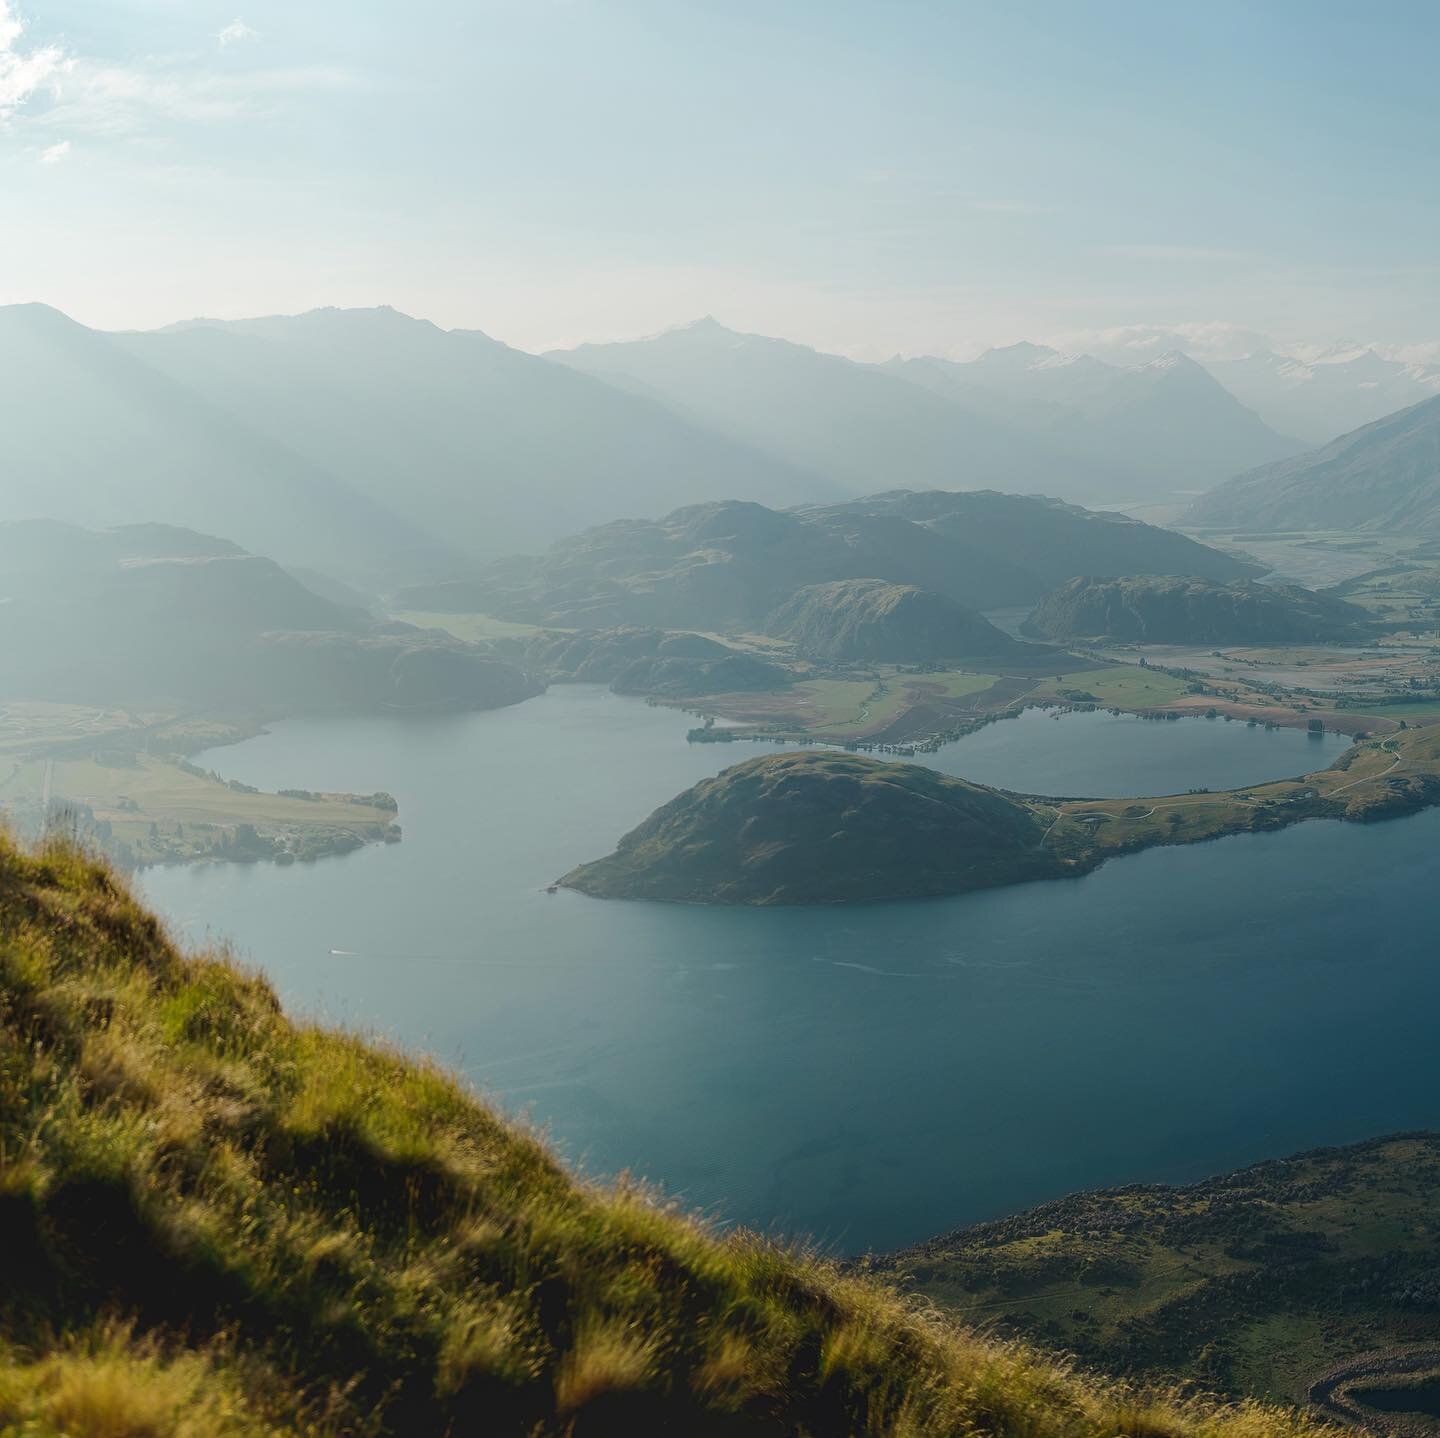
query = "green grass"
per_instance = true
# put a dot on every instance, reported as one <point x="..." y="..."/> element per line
<point x="841" y="707"/>
<point x="954" y="683"/>
<point x="216" y="1221"/>
<point x="185" y="807"/>
<point x="1124" y="686"/>
<point x="1255" y="1281"/>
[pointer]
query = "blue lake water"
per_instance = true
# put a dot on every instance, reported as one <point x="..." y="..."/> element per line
<point x="866" y="1076"/>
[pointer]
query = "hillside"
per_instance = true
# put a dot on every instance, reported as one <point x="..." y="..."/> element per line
<point x="646" y="661"/>
<point x="220" y="1224"/>
<point x="95" y="435"/>
<point x="1169" y="610"/>
<point x="1167" y="420"/>
<point x="1052" y="541"/>
<point x="159" y="615"/>
<point x="822" y="828"/>
<point x="727" y="565"/>
<point x="1252" y="1282"/>
<point x="489" y="447"/>
<point x="1385" y="476"/>
<point x="868" y="619"/>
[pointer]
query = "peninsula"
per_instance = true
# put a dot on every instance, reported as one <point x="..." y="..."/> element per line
<point x="826" y="827"/>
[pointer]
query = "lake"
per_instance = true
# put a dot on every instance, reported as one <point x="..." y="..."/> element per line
<point x="866" y="1076"/>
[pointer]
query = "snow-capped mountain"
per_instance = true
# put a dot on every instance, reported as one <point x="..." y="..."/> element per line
<point x="1327" y="394"/>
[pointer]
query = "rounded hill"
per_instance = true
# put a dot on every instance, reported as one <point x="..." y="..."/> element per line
<point x="815" y="828"/>
<point x="870" y="619"/>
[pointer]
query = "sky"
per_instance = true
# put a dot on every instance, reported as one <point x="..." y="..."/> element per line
<point x="911" y="176"/>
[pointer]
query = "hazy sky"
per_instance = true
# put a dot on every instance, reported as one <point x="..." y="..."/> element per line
<point x="867" y="177"/>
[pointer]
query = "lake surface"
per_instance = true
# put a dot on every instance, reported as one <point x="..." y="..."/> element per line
<point x="872" y="1075"/>
<point x="1094" y="754"/>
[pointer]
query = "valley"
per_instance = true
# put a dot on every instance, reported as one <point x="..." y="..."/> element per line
<point x="719" y="721"/>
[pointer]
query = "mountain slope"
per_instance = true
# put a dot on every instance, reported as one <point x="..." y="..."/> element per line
<point x="856" y="423"/>
<point x="1169" y="610"/>
<point x="868" y="619"/>
<point x="1167" y="422"/>
<point x="1051" y="540"/>
<point x="220" y="1224"/>
<point x="1384" y="476"/>
<point x="1251" y="1282"/>
<point x="95" y="436"/>
<point x="495" y="449"/>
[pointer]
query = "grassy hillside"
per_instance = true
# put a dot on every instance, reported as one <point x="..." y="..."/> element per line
<point x="821" y="828"/>
<point x="875" y="621"/>
<point x="1255" y="1281"/>
<point x="217" y="1222"/>
<point x="1167" y="609"/>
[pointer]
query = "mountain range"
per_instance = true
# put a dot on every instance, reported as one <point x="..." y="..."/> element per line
<point x="1163" y="425"/>
<point x="1021" y="419"/>
<point x="1318" y="398"/>
<point x="378" y="448"/>
<point x="727" y="566"/>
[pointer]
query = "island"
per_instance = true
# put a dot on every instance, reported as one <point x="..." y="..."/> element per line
<point x="819" y="827"/>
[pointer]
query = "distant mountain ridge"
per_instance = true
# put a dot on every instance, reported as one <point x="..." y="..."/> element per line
<point x="1317" y="399"/>
<point x="494" y="449"/>
<point x="95" y="436"/>
<point x="727" y="565"/>
<point x="1168" y="420"/>
<point x="1385" y="476"/>
<point x="998" y="423"/>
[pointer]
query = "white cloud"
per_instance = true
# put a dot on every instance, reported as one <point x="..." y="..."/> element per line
<point x="116" y="100"/>
<point x="55" y="153"/>
<point x="1133" y="344"/>
<point x="236" y="32"/>
<point x="24" y="72"/>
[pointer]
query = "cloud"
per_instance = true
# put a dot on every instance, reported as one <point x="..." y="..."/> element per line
<point x="1133" y="344"/>
<point x="236" y="32"/>
<point x="129" y="100"/>
<point x="24" y="72"/>
<point x="55" y="153"/>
